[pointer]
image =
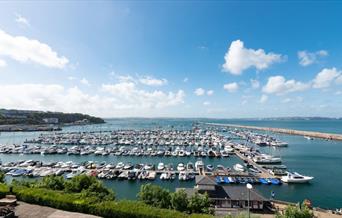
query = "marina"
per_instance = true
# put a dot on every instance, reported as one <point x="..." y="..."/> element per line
<point x="260" y="164"/>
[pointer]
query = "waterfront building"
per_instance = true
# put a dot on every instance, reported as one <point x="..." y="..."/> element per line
<point x="229" y="196"/>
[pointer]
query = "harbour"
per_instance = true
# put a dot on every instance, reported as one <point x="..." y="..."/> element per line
<point x="295" y="157"/>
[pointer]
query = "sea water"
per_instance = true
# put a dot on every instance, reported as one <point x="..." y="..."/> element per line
<point x="319" y="158"/>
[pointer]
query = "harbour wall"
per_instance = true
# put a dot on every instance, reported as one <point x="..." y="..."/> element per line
<point x="321" y="135"/>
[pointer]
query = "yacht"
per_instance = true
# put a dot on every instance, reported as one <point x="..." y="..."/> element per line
<point x="239" y="168"/>
<point x="267" y="159"/>
<point x="199" y="165"/>
<point x="180" y="167"/>
<point x="296" y="178"/>
<point x="190" y="166"/>
<point x="161" y="166"/>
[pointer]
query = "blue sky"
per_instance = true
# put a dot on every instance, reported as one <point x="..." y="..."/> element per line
<point x="172" y="59"/>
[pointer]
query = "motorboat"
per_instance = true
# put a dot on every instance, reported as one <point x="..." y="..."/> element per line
<point x="161" y="166"/>
<point x="210" y="167"/>
<point x="296" y="178"/>
<point x="190" y="166"/>
<point x="199" y="165"/>
<point x="239" y="168"/>
<point x="180" y="167"/>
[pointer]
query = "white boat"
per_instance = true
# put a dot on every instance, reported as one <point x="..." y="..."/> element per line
<point x="161" y="166"/>
<point x="267" y="159"/>
<point x="308" y="138"/>
<point x="180" y="167"/>
<point x="199" y="165"/>
<point x="296" y="178"/>
<point x="239" y="168"/>
<point x="182" y="176"/>
<point x="120" y="165"/>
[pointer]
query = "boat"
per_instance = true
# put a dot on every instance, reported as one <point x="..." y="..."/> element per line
<point x="161" y="166"/>
<point x="296" y="178"/>
<point x="308" y="138"/>
<point x="180" y="167"/>
<point x="210" y="167"/>
<point x="199" y="165"/>
<point x="190" y="166"/>
<point x="239" y="168"/>
<point x="267" y="159"/>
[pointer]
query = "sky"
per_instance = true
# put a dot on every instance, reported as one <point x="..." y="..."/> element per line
<point x="233" y="59"/>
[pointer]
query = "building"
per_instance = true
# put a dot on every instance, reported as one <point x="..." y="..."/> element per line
<point x="51" y="120"/>
<point x="229" y="196"/>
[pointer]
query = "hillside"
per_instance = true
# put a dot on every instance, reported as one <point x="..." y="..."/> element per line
<point x="8" y="117"/>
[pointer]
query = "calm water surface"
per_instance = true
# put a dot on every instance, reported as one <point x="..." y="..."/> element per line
<point x="319" y="158"/>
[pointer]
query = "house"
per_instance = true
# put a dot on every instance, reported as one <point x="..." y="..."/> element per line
<point x="229" y="196"/>
<point x="51" y="120"/>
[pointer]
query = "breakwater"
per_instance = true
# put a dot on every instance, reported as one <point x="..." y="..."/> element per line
<point x="328" y="136"/>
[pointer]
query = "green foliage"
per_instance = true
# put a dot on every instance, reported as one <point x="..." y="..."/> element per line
<point x="154" y="195"/>
<point x="296" y="212"/>
<point x="199" y="203"/>
<point x="36" y="117"/>
<point x="52" y="182"/>
<point x="114" y="209"/>
<point x="2" y="177"/>
<point x="242" y="215"/>
<point x="179" y="200"/>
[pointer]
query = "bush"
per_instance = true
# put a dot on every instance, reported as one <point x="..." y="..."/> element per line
<point x="52" y="182"/>
<point x="296" y="212"/>
<point x="199" y="203"/>
<point x="75" y="202"/>
<point x="154" y="195"/>
<point x="2" y="177"/>
<point x="179" y="201"/>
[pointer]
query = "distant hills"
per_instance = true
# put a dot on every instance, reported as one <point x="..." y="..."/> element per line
<point x="30" y="117"/>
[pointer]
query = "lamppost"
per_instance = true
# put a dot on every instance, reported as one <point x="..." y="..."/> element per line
<point x="249" y="187"/>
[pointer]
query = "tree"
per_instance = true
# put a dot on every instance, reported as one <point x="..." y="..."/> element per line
<point x="296" y="212"/>
<point x="52" y="182"/>
<point x="179" y="201"/>
<point x="2" y="177"/>
<point x="155" y="196"/>
<point x="199" y="203"/>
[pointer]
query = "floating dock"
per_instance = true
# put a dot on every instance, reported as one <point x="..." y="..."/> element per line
<point x="328" y="136"/>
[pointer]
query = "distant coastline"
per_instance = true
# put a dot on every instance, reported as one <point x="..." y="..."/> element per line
<point x="27" y="120"/>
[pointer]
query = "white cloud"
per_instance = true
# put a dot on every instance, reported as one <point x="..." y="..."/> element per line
<point x="210" y="92"/>
<point x="339" y="80"/>
<point x="121" y="99"/>
<point x="21" y="20"/>
<point x="199" y="92"/>
<point x="84" y="81"/>
<point x="255" y="84"/>
<point x="132" y="97"/>
<point x="150" y="81"/>
<point x="3" y="63"/>
<point x="206" y="103"/>
<point x="324" y="78"/>
<point x="71" y="78"/>
<point x="307" y="58"/>
<point x="263" y="98"/>
<point x="231" y="87"/>
<point x="286" y="100"/>
<point x="279" y="85"/>
<point x="338" y="93"/>
<point x="238" y="58"/>
<point x="24" y="50"/>
<point x="186" y="79"/>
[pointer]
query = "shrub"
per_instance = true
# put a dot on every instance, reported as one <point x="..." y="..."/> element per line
<point x="154" y="195"/>
<point x="296" y="212"/>
<point x="199" y="203"/>
<point x="179" y="201"/>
